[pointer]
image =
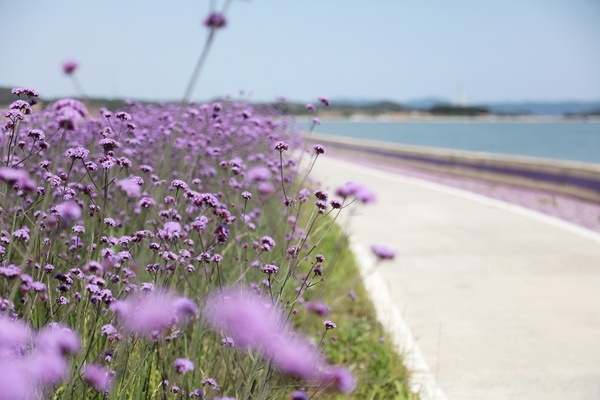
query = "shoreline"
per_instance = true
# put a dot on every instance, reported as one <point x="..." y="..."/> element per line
<point x="430" y="118"/>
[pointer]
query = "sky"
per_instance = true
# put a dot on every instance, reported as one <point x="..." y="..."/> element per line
<point x="473" y="50"/>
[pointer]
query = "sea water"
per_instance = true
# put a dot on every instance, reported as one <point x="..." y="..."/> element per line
<point x="574" y="141"/>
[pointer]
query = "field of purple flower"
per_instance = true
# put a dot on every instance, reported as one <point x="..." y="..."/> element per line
<point x="119" y="233"/>
<point x="177" y="251"/>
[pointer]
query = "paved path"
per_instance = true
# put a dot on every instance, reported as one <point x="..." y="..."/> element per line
<point x="501" y="305"/>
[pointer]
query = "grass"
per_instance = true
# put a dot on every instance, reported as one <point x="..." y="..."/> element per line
<point x="359" y="341"/>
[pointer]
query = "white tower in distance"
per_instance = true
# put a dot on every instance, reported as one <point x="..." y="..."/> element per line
<point x="462" y="97"/>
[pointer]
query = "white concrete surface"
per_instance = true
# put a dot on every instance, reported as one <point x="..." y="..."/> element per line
<point x="502" y="304"/>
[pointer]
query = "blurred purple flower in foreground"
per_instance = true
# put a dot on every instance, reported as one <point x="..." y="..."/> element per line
<point x="18" y="178"/>
<point x="130" y="187"/>
<point x="383" y="252"/>
<point x="325" y="101"/>
<point x="255" y="324"/>
<point x="69" y="113"/>
<point x="250" y="320"/>
<point x="183" y="365"/>
<point x="360" y="192"/>
<point x="149" y="313"/>
<point x="29" y="362"/>
<point x="298" y="395"/>
<point x="69" y="66"/>
<point x="258" y="174"/>
<point x="98" y="377"/>
<point x="69" y="211"/>
<point x="318" y="307"/>
<point x="215" y="21"/>
<point x="340" y="377"/>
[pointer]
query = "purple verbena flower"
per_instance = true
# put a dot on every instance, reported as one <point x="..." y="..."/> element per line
<point x="69" y="211"/>
<point x="319" y="149"/>
<point x="325" y="101"/>
<point x="77" y="152"/>
<point x="265" y="189"/>
<point x="109" y="144"/>
<point x="270" y="269"/>
<point x="14" y="334"/>
<point x="123" y="116"/>
<point x="36" y="134"/>
<point x="361" y="193"/>
<point x="298" y="395"/>
<point x="281" y="146"/>
<point x="16" y="380"/>
<point x="183" y="365"/>
<point x="329" y="324"/>
<point x="130" y="187"/>
<point x="108" y="330"/>
<point x="110" y="222"/>
<point x="318" y="307"/>
<point x="254" y="323"/>
<point x="69" y="111"/>
<point x="267" y="243"/>
<point x="221" y="234"/>
<point x="321" y="195"/>
<point x="21" y="234"/>
<point x="69" y="66"/>
<point x="98" y="377"/>
<point x="25" y="91"/>
<point x="150" y="313"/>
<point x="383" y="252"/>
<point x="215" y="21"/>
<point x="258" y="174"/>
<point x="212" y="383"/>
<point x="336" y="204"/>
<point x="22" y="106"/>
<point x="303" y="195"/>
<point x="147" y="287"/>
<point x="339" y="377"/>
<point x="59" y="339"/>
<point x="249" y="319"/>
<point x="17" y="178"/>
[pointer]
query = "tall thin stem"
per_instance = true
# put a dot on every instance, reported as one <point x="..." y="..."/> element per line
<point x="198" y="68"/>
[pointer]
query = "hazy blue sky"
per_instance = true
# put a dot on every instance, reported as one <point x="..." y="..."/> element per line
<point x="300" y="49"/>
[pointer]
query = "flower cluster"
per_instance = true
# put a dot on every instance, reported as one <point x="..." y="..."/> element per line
<point x="32" y="361"/>
<point x="254" y="323"/>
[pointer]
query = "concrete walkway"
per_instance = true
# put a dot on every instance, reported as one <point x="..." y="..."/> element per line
<point x="501" y="304"/>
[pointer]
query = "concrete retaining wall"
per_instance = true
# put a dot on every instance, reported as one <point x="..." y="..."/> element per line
<point x="581" y="180"/>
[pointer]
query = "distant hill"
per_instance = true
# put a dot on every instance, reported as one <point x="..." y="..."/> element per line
<point x="544" y="108"/>
<point x="512" y="108"/>
<point x="436" y="105"/>
<point x="6" y="97"/>
<point x="426" y="103"/>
